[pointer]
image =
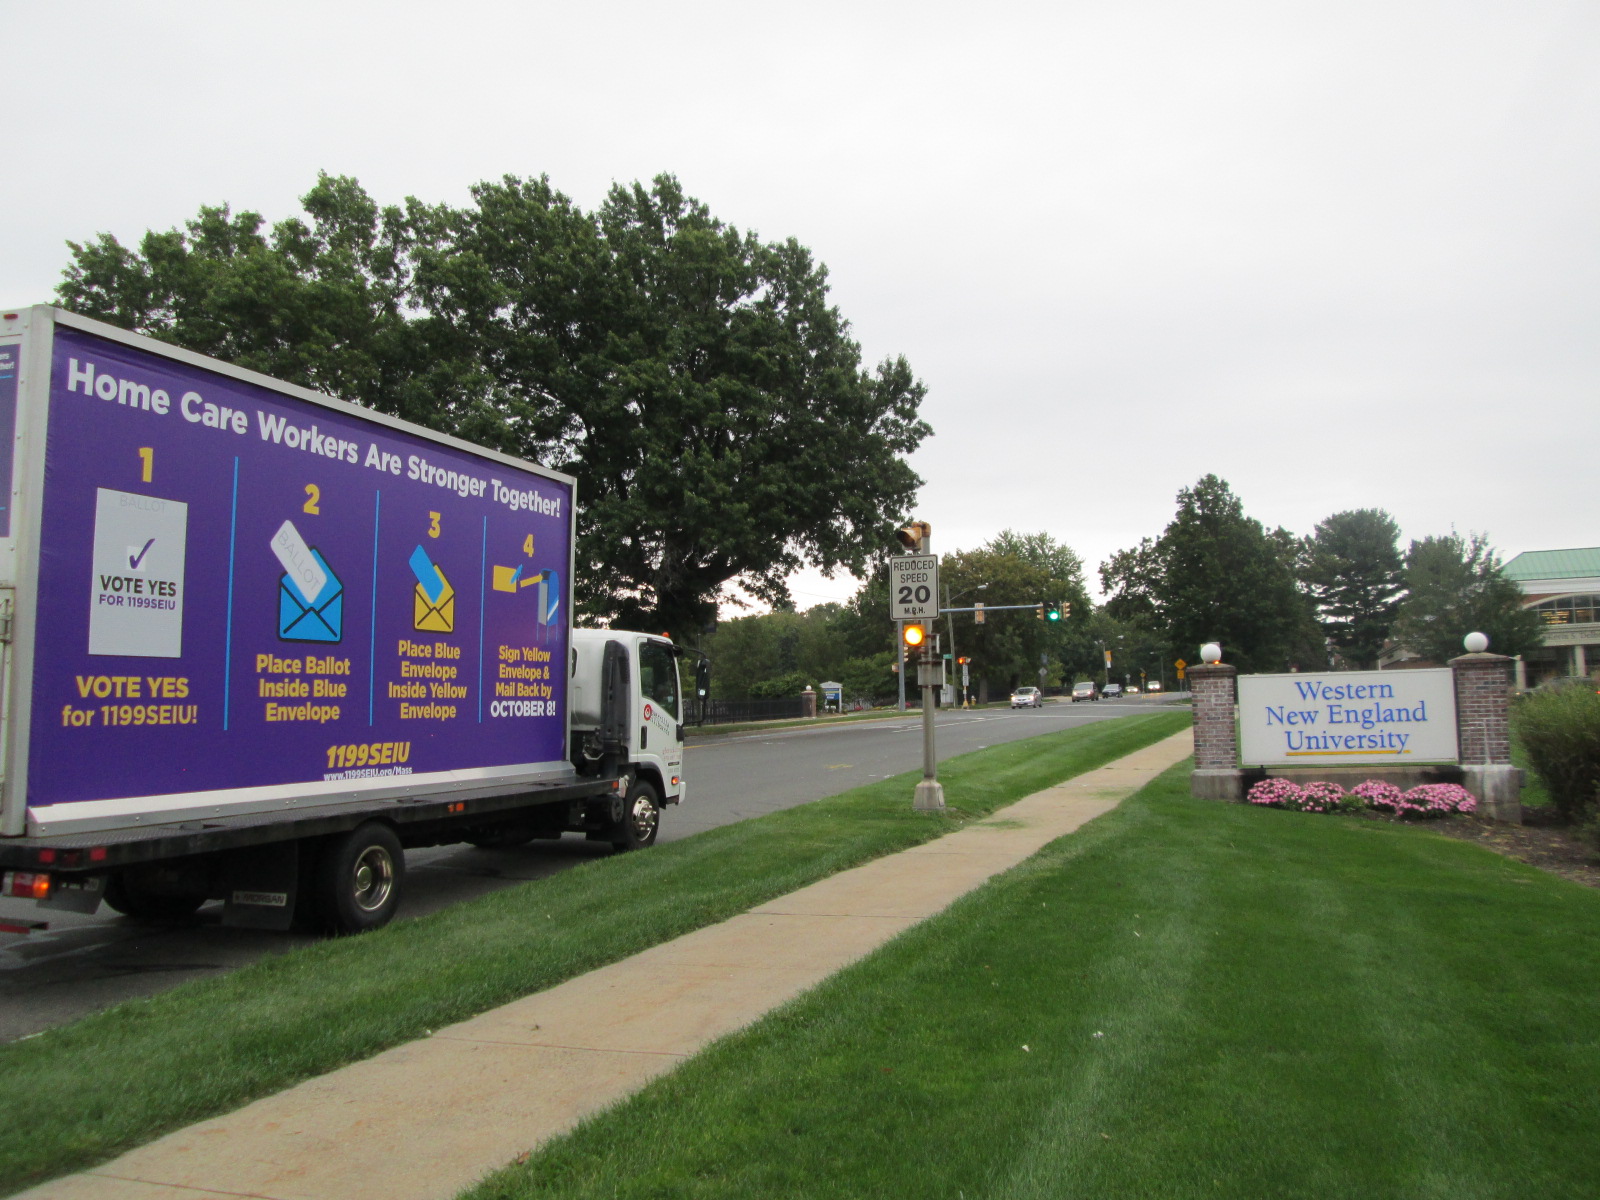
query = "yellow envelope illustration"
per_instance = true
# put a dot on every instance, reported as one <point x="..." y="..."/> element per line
<point x="434" y="616"/>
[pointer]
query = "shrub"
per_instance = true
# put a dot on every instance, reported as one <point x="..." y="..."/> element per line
<point x="1436" y="800"/>
<point x="1321" y="797"/>
<point x="1379" y="795"/>
<point x="1423" y="801"/>
<point x="1560" y="730"/>
<point x="1275" y="793"/>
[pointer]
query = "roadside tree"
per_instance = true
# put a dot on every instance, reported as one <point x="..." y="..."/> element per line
<point x="1454" y="586"/>
<point x="694" y="378"/>
<point x="1014" y="568"/>
<point x="1213" y="575"/>
<point x="1351" y="566"/>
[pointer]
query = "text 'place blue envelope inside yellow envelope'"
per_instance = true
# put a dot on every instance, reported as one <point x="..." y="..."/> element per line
<point x="433" y="601"/>
<point x="315" y="618"/>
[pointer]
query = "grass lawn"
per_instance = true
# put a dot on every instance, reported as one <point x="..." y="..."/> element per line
<point x="123" y="1077"/>
<point x="1182" y="999"/>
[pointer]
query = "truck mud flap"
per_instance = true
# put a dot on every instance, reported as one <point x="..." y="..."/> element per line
<point x="263" y="885"/>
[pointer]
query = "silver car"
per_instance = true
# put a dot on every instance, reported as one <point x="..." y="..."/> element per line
<point x="1027" y="697"/>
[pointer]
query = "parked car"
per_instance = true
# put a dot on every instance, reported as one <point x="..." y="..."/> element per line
<point x="1084" y="691"/>
<point x="1027" y="697"/>
<point x="1111" y="691"/>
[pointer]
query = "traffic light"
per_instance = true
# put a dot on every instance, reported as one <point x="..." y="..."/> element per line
<point x="914" y="634"/>
<point x="914" y="535"/>
<point x="977" y="615"/>
<point x="1039" y="612"/>
<point x="964" y="660"/>
<point x="1066" y="609"/>
<point x="1054" y="614"/>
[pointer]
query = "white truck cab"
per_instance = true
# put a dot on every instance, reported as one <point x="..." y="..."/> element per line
<point x="650" y="705"/>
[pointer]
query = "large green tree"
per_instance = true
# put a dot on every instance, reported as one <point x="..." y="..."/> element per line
<point x="1214" y="574"/>
<point x="1351" y="566"/>
<point x="695" y="379"/>
<point x="1014" y="568"/>
<point x="1455" y="586"/>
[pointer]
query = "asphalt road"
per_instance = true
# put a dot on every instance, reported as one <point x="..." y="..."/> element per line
<point x="83" y="964"/>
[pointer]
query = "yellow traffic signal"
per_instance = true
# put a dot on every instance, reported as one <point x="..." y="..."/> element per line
<point x="913" y="536"/>
<point x="913" y="635"/>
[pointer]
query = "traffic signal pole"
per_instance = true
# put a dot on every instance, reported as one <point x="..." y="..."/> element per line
<point x="929" y="795"/>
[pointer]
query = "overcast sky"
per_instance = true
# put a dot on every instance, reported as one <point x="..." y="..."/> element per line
<point x="1343" y="255"/>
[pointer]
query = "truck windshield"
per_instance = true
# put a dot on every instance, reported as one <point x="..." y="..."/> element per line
<point x="658" y="676"/>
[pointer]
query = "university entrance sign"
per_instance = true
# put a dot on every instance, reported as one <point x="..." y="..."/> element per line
<point x="1352" y="718"/>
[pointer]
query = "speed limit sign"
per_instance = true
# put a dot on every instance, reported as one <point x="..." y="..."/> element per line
<point x="914" y="587"/>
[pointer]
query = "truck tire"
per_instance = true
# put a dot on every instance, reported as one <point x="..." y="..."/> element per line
<point x="125" y="895"/>
<point x="641" y="818"/>
<point x="358" y="879"/>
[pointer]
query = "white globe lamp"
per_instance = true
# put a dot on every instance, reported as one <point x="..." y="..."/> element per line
<point x="1210" y="653"/>
<point x="1476" y="643"/>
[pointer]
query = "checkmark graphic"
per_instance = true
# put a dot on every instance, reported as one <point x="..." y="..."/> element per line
<point x="135" y="559"/>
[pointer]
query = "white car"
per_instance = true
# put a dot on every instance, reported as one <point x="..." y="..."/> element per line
<point x="1027" y="697"/>
<point x="1152" y="687"/>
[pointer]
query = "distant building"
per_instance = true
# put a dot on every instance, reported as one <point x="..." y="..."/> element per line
<point x="1563" y="587"/>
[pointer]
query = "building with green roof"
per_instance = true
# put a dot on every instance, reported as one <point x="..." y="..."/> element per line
<point x="1563" y="587"/>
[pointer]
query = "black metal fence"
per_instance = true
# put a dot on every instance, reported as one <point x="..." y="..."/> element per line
<point x="727" y="712"/>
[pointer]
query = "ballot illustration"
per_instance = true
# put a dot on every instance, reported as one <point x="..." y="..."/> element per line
<point x="310" y="595"/>
<point x="512" y="579"/>
<point x="433" y="601"/>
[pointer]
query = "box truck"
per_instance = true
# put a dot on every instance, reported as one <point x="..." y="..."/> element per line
<point x="256" y="642"/>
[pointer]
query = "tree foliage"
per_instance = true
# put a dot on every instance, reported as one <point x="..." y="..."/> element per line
<point x="1014" y="568"/>
<point x="1455" y="586"/>
<point x="1214" y="575"/>
<point x="1351" y="566"/>
<point x="854" y="643"/>
<point x="694" y="378"/>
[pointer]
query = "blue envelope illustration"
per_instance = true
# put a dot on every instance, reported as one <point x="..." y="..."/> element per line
<point x="549" y="597"/>
<point x="318" y="618"/>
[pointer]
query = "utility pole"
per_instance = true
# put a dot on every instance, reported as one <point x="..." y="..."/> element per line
<point x="950" y="617"/>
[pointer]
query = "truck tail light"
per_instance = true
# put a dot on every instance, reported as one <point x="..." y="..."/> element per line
<point x="28" y="885"/>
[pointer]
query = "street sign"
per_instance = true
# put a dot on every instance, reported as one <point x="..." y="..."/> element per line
<point x="1180" y="664"/>
<point x="914" y="587"/>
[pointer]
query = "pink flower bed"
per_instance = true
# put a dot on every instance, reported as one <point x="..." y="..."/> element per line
<point x="1424" y="801"/>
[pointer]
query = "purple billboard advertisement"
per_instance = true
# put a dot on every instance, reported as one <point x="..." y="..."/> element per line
<point x="238" y="588"/>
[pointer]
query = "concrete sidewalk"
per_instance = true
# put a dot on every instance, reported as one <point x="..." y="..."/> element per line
<point x="424" y="1120"/>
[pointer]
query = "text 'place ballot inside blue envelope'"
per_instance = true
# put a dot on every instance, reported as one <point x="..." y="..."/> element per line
<point x="310" y="595"/>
